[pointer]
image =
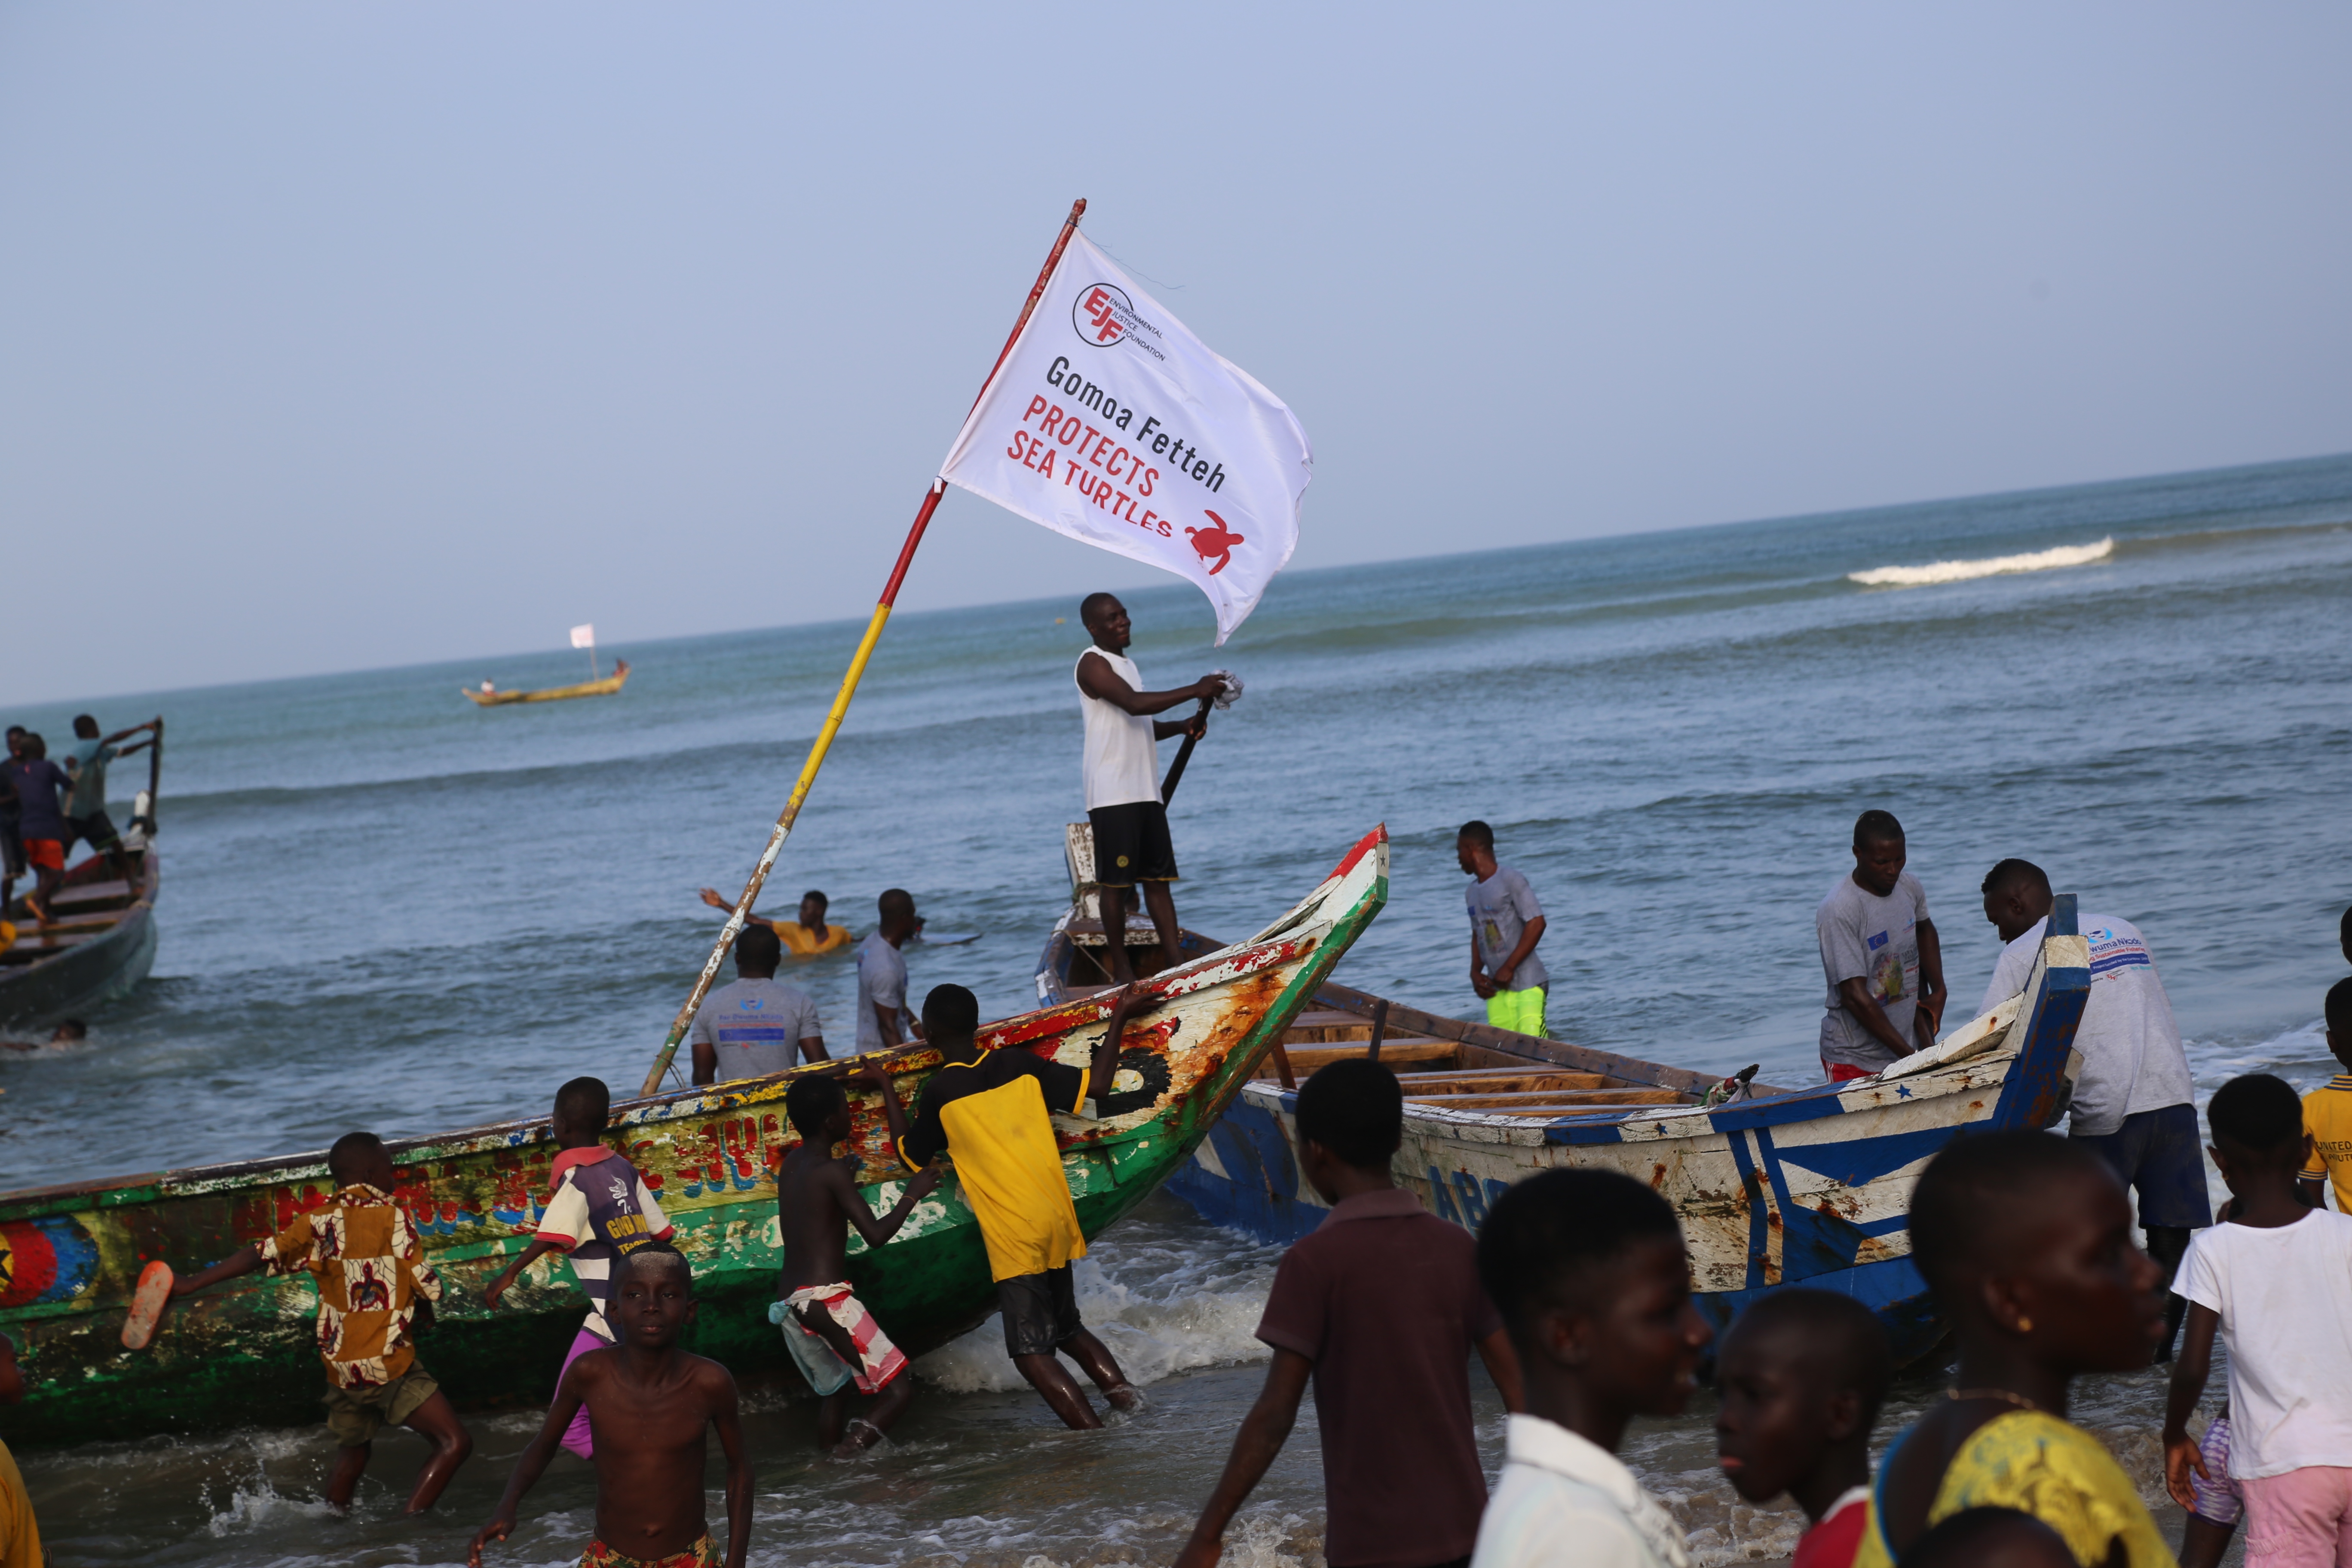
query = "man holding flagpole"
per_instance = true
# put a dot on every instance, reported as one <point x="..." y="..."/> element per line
<point x="1121" y="774"/>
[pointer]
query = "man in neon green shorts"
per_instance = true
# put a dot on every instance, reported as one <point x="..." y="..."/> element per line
<point x="1505" y="923"/>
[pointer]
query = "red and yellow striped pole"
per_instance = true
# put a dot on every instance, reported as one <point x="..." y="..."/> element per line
<point x="840" y="709"/>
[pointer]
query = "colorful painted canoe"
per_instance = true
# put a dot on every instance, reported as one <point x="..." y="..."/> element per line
<point x="71" y="1256"/>
<point x="486" y="696"/>
<point x="1774" y="1187"/>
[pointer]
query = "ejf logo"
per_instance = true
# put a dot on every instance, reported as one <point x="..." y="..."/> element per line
<point x="1100" y="314"/>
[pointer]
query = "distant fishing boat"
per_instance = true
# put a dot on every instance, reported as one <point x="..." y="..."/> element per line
<point x="1773" y="1186"/>
<point x="489" y="696"/>
<point x="101" y="942"/>
<point x="70" y="1255"/>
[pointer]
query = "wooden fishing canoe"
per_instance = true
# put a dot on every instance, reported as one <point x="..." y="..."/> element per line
<point x="71" y="1256"/>
<point x="604" y="688"/>
<point x="103" y="942"/>
<point x="1774" y="1186"/>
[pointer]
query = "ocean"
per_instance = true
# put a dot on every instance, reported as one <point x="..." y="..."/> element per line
<point x="385" y="908"/>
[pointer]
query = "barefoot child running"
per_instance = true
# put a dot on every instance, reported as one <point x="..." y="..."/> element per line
<point x="1589" y="1272"/>
<point x="832" y="1337"/>
<point x="652" y="1407"/>
<point x="1801" y="1374"/>
<point x="2271" y="1280"/>
<point x="600" y="1212"/>
<point x="2026" y="1241"/>
<point x="373" y="1284"/>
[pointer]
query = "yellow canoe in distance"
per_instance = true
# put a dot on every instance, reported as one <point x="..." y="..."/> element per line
<point x="604" y="688"/>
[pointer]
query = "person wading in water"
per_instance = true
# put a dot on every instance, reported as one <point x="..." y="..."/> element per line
<point x="1122" y="778"/>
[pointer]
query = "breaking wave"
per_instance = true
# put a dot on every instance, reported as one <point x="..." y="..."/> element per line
<point x="1991" y="566"/>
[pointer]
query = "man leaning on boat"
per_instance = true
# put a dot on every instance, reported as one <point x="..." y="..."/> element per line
<point x="1881" y="957"/>
<point x="2134" y="1099"/>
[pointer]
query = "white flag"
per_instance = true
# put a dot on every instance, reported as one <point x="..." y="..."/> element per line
<point x="1112" y="424"/>
<point x="583" y="637"/>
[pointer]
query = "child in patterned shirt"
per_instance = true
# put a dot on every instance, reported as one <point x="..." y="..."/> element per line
<point x="373" y="1286"/>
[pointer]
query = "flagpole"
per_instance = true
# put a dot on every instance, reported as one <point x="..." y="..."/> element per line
<point x="849" y="679"/>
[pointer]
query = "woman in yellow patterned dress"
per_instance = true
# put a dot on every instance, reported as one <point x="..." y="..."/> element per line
<point x="2026" y="1240"/>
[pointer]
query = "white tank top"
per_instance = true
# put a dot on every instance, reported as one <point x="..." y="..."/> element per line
<point x="1122" y="764"/>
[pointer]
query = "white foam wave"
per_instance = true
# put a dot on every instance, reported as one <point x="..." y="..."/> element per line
<point x="1161" y="1308"/>
<point x="1991" y="566"/>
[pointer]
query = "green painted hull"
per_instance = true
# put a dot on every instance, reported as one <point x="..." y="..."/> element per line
<point x="243" y="1354"/>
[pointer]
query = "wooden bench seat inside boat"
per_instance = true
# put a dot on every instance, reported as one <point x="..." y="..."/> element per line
<point x="92" y="895"/>
<point x="1401" y="1054"/>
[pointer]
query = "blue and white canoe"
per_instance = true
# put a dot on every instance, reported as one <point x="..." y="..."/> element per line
<point x="1775" y="1187"/>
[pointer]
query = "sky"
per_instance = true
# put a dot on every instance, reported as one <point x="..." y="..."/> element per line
<point x="340" y="337"/>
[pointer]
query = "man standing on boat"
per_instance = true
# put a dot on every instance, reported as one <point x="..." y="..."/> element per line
<point x="1121" y="774"/>
<point x="1881" y="957"/>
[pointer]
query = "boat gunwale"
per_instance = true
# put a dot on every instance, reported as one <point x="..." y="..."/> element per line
<point x="136" y="918"/>
<point x="1026" y="1029"/>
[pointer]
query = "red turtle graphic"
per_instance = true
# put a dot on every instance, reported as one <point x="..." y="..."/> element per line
<point x="1214" y="543"/>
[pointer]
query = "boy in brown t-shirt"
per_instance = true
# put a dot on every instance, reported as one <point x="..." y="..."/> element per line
<point x="373" y="1282"/>
<point x="1380" y="1308"/>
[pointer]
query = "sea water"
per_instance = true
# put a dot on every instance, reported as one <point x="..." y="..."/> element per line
<point x="385" y="908"/>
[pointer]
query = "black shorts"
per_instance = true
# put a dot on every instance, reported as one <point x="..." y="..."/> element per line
<point x="1131" y="844"/>
<point x="12" y="850"/>
<point x="1041" y="1312"/>
<point x="96" y="830"/>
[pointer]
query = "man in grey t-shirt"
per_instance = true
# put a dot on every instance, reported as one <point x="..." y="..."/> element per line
<point x="1881" y="958"/>
<point x="883" y="1020"/>
<point x="756" y="1025"/>
<point x="1505" y="923"/>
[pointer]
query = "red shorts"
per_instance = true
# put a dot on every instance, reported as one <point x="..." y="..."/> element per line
<point x="46" y="854"/>
<point x="1844" y="1072"/>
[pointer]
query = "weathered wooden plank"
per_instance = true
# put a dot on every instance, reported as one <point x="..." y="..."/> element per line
<point x="1305" y="1059"/>
<point x="1564" y="1103"/>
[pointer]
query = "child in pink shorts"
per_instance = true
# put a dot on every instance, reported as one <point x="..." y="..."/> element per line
<point x="2271" y="1280"/>
<point x="600" y="1212"/>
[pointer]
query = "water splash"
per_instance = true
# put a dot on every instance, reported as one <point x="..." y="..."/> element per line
<point x="1165" y="1298"/>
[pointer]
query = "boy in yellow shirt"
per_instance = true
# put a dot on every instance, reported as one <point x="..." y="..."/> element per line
<point x="2327" y="1112"/>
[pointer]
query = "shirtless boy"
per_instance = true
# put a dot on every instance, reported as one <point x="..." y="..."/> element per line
<point x="652" y="1406"/>
<point x="831" y="1335"/>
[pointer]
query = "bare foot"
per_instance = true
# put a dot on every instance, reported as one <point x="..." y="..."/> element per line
<point x="862" y="1435"/>
<point x="1124" y="1396"/>
<point x="40" y="913"/>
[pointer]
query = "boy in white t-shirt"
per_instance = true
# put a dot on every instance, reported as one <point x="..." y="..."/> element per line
<point x="2273" y="1277"/>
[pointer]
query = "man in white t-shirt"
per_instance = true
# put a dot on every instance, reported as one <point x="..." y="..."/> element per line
<point x="1121" y="774"/>
<point x="757" y="1026"/>
<point x="2134" y="1099"/>
<point x="2271" y="1280"/>
<point x="1880" y="956"/>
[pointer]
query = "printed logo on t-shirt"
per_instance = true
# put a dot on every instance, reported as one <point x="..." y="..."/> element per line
<point x="1886" y="977"/>
<point x="1878" y="941"/>
<point x="753" y="1004"/>
<point x="2112" y="953"/>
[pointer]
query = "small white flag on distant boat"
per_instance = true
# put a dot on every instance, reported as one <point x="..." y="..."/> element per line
<point x="583" y="637"/>
<point x="1109" y="422"/>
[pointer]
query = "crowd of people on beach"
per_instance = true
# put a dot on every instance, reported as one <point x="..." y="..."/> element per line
<point x="1573" y="1293"/>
